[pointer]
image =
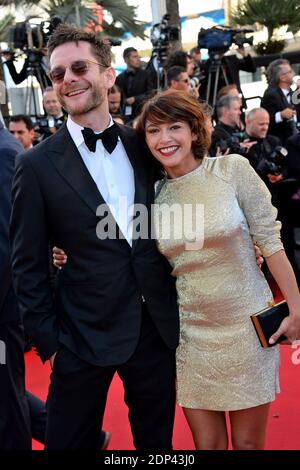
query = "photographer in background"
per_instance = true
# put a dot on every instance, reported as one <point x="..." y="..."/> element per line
<point x="36" y="63"/>
<point x="266" y="156"/>
<point x="31" y="39"/>
<point x="227" y="136"/>
<point x="51" y="104"/>
<point x="270" y="160"/>
<point x="231" y="66"/>
<point x="47" y="125"/>
<point x="177" y="78"/>
<point x="277" y="100"/>
<point x="183" y="59"/>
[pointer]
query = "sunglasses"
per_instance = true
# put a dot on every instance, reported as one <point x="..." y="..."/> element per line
<point x="78" y="68"/>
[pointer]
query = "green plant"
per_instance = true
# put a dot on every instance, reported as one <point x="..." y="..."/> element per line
<point x="270" y="13"/>
<point x="269" y="47"/>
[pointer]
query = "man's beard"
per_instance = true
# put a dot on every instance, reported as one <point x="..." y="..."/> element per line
<point x="95" y="99"/>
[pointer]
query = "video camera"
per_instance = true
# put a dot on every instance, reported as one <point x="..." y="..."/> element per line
<point x="32" y="38"/>
<point x="273" y="161"/>
<point x="46" y="126"/>
<point x="219" y="39"/>
<point x="161" y="35"/>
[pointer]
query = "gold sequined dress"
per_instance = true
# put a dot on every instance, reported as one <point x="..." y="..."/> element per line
<point x="220" y="363"/>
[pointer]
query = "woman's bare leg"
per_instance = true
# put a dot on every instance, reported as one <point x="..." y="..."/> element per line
<point x="248" y="427"/>
<point x="208" y="428"/>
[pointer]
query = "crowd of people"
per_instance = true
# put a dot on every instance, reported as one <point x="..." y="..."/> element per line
<point x="163" y="302"/>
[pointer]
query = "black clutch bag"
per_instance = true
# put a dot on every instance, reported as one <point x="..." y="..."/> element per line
<point x="267" y="321"/>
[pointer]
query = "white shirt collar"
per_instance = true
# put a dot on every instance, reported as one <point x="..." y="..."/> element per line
<point x="285" y="91"/>
<point x="75" y="130"/>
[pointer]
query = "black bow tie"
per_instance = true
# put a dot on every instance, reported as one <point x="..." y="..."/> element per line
<point x="109" y="138"/>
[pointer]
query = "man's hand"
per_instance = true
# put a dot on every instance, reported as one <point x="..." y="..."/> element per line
<point x="247" y="144"/>
<point x="275" y="178"/>
<point x="287" y="113"/>
<point x="52" y="358"/>
<point x="130" y="100"/>
<point x="194" y="91"/>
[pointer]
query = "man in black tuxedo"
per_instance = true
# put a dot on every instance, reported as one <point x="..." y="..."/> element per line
<point x="15" y="432"/>
<point x="115" y="308"/>
<point x="277" y="100"/>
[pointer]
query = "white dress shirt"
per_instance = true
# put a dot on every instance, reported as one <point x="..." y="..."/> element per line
<point x="113" y="175"/>
<point x="278" y="117"/>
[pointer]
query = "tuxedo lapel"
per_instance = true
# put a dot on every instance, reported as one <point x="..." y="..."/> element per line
<point x="284" y="99"/>
<point x="68" y="162"/>
<point x="134" y="152"/>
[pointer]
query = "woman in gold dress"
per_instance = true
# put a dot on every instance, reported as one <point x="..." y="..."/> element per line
<point x="220" y="363"/>
<point x="221" y="366"/>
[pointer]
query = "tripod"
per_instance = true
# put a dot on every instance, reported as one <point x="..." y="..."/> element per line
<point x="216" y="69"/>
<point x="158" y="58"/>
<point x="33" y="70"/>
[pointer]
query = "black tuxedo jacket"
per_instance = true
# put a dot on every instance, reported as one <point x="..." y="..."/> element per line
<point x="9" y="148"/>
<point x="273" y="101"/>
<point x="138" y="84"/>
<point x="96" y="312"/>
<point x="293" y="157"/>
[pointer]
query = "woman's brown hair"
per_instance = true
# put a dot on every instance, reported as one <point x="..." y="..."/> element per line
<point x="173" y="106"/>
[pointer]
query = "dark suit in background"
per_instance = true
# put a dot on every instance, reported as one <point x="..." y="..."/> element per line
<point x="274" y="101"/>
<point x="98" y="322"/>
<point x="139" y="84"/>
<point x="15" y="430"/>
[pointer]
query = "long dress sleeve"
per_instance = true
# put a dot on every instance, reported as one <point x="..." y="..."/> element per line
<point x="255" y="200"/>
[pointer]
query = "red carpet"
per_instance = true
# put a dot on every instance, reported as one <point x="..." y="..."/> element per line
<point x="284" y="421"/>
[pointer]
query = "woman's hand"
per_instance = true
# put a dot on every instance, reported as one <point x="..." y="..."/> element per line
<point x="59" y="257"/>
<point x="258" y="255"/>
<point x="289" y="327"/>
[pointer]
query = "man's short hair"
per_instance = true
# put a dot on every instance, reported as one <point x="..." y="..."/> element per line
<point x="47" y="89"/>
<point x="223" y="103"/>
<point x="22" y="117"/>
<point x="225" y="90"/>
<point x="128" y="51"/>
<point x="114" y="89"/>
<point x="274" y="70"/>
<point x="174" y="73"/>
<point x="179" y="58"/>
<point x="195" y="50"/>
<point x="251" y="114"/>
<point x="66" y="33"/>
